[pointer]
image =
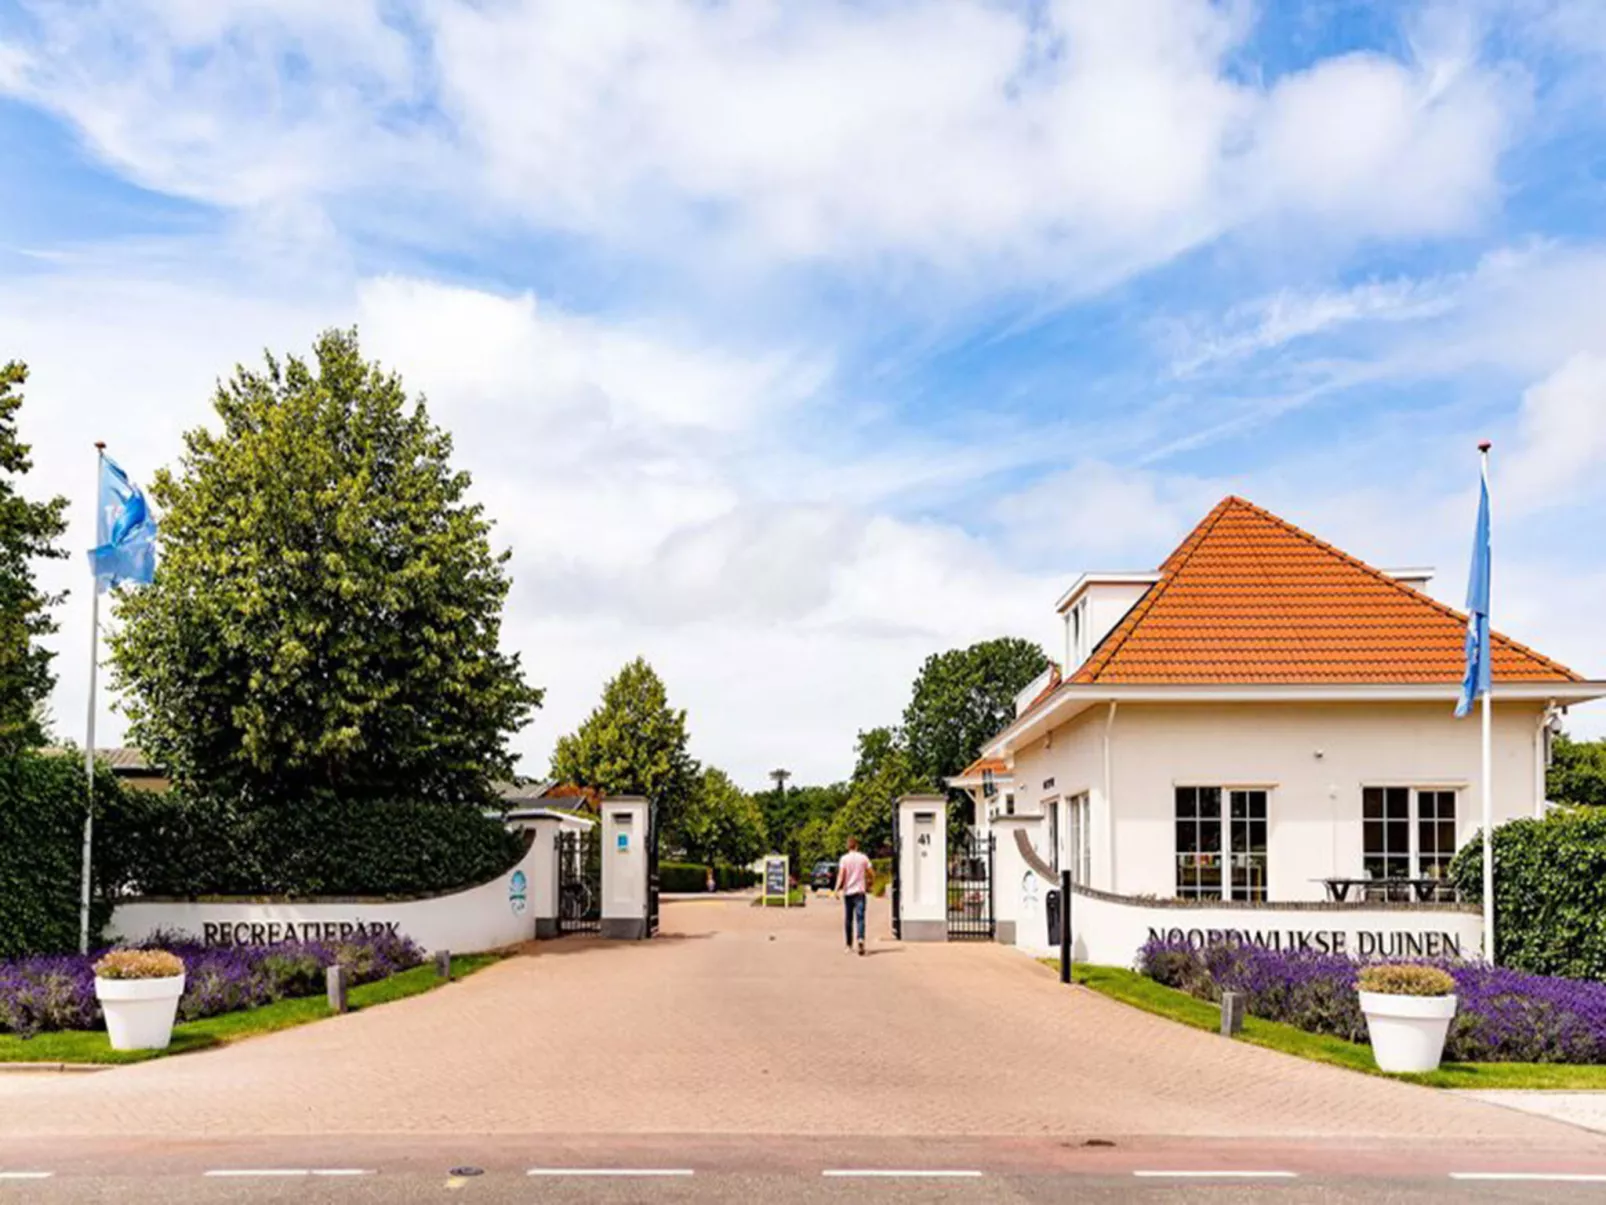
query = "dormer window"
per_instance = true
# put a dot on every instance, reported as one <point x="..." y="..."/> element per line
<point x="1079" y="649"/>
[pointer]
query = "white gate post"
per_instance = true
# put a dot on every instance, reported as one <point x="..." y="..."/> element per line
<point x="544" y="891"/>
<point x="1017" y="890"/>
<point x="923" y="867"/>
<point x="624" y="868"/>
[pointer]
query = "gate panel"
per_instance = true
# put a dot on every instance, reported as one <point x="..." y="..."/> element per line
<point x="580" y="881"/>
<point x="897" y="876"/>
<point x="970" y="889"/>
<point x="652" y="870"/>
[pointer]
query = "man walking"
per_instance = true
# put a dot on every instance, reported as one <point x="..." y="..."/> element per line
<point x="854" y="878"/>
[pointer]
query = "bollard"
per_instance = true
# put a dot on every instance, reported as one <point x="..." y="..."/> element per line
<point x="1232" y="1014"/>
<point x="1065" y="926"/>
<point x="336" y="979"/>
<point x="443" y="964"/>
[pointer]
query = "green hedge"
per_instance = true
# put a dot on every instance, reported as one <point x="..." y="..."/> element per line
<point x="41" y="839"/>
<point x="179" y="845"/>
<point x="1549" y="895"/>
<point x="693" y="876"/>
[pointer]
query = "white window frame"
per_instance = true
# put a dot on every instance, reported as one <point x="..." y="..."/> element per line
<point x="1227" y="790"/>
<point x="1080" y="849"/>
<point x="1414" y="792"/>
<point x="1051" y="813"/>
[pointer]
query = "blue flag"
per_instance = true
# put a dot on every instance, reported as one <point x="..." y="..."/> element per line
<point x="125" y="531"/>
<point x="1476" y="679"/>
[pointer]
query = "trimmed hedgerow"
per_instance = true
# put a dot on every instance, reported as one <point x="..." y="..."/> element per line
<point x="175" y="844"/>
<point x="42" y="804"/>
<point x="1549" y="895"/>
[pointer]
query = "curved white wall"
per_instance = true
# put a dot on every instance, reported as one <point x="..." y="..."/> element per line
<point x="488" y="917"/>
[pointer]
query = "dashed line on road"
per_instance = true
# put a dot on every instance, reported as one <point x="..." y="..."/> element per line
<point x="1216" y="1174"/>
<point x="912" y="1173"/>
<point x="26" y="1175"/>
<point x="610" y="1171"/>
<point x="276" y="1172"/>
<point x="1535" y="1177"/>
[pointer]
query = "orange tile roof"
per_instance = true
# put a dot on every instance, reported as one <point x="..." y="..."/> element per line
<point x="1250" y="598"/>
<point x="983" y="765"/>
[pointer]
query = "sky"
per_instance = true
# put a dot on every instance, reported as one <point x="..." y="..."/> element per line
<point x="790" y="343"/>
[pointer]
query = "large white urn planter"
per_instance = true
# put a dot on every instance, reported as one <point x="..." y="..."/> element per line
<point x="140" y="1012"/>
<point x="1407" y="1032"/>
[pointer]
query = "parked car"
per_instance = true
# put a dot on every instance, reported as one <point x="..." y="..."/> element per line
<point x="823" y="877"/>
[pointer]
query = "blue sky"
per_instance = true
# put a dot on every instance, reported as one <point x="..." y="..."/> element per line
<point x="791" y="343"/>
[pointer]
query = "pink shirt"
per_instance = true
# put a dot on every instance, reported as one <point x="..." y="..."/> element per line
<point x="851" y="872"/>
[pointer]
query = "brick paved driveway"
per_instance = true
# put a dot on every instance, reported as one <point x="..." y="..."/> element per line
<point x="743" y="1020"/>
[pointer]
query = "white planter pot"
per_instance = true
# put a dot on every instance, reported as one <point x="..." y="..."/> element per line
<point x="1407" y="1032"/>
<point x="139" y="1012"/>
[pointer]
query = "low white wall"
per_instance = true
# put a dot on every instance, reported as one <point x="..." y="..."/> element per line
<point x="487" y="917"/>
<point x="1110" y="932"/>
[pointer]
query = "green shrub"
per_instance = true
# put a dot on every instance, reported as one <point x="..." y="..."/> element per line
<point x="735" y="878"/>
<point x="1392" y="979"/>
<point x="682" y="876"/>
<point x="174" y="844"/>
<point x="1550" y="892"/>
<point x="41" y="839"/>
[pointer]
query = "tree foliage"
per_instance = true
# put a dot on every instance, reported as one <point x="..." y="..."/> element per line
<point x="326" y="614"/>
<point x="962" y="699"/>
<point x="634" y="743"/>
<point x="1578" y="772"/>
<point x="883" y="773"/>
<point x="28" y="530"/>
<point x="721" y="823"/>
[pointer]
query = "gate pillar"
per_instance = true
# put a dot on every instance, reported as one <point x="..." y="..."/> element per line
<point x="1018" y="891"/>
<point x="544" y="891"/>
<point x="625" y="867"/>
<point x="923" y="867"/>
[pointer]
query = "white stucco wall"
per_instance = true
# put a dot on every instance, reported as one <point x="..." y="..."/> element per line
<point x="488" y="917"/>
<point x="1314" y="806"/>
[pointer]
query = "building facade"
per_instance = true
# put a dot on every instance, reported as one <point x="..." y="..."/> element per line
<point x="1264" y="721"/>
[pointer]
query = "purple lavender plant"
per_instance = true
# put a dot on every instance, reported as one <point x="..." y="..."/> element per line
<point x="55" y="992"/>
<point x="1501" y="1015"/>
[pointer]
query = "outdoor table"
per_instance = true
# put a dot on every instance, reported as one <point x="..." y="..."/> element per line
<point x="1423" y="890"/>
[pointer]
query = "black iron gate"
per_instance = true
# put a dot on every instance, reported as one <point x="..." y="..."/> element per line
<point x="652" y="869"/>
<point x="897" y="881"/>
<point x="970" y="888"/>
<point x="580" y="881"/>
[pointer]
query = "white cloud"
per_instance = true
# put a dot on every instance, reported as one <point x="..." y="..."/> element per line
<point x="993" y="144"/>
<point x="1561" y="431"/>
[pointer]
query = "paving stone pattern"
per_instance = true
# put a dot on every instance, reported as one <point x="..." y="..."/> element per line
<point x="748" y="1020"/>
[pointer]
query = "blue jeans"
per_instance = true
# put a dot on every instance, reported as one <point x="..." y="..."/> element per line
<point x="852" y="908"/>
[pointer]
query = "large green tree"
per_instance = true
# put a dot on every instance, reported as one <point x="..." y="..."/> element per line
<point x="722" y="823"/>
<point x="883" y="773"/>
<point x="962" y="699"/>
<point x="28" y="530"/>
<point x="1578" y="772"/>
<point x="634" y="743"/>
<point x="326" y="615"/>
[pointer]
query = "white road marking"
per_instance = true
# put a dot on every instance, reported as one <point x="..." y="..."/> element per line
<point x="610" y="1171"/>
<point x="288" y="1171"/>
<point x="1217" y="1175"/>
<point x="1557" y="1177"/>
<point x="926" y="1173"/>
<point x="26" y="1175"/>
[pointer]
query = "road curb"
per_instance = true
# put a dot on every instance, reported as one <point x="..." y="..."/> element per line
<point x="55" y="1068"/>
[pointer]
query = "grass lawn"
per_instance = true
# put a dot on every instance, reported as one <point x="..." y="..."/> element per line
<point x="1140" y="991"/>
<point x="90" y="1046"/>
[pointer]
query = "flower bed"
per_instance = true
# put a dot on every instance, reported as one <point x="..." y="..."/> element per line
<point x="1503" y="1016"/>
<point x="43" y="994"/>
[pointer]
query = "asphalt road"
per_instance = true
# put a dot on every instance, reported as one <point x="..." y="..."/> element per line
<point x="781" y="1169"/>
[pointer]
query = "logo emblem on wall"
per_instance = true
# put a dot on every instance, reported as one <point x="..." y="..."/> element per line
<point x="516" y="892"/>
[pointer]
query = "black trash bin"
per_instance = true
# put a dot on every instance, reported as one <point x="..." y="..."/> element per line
<point x="1052" y="907"/>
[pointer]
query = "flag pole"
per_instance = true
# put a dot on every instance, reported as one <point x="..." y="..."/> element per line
<point x="1488" y="766"/>
<point x="89" y="737"/>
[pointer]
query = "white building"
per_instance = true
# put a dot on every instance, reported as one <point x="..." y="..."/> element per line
<point x="1260" y="728"/>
